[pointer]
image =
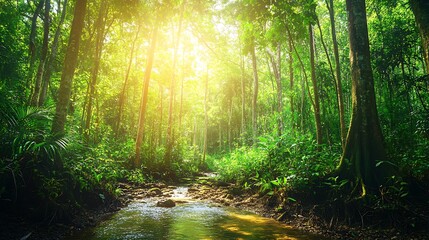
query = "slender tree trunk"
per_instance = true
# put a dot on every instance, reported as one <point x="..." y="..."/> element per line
<point x="291" y="81"/>
<point x="125" y="86"/>
<point x="70" y="62"/>
<point x="143" y="103"/>
<point x="421" y="12"/>
<point x="302" y="109"/>
<point x="43" y="55"/>
<point x="220" y="136"/>
<point x="100" y="28"/>
<point x="275" y="63"/>
<point x="170" y="137"/>
<point x="230" y="111"/>
<point x="339" y="86"/>
<point x="364" y="145"/>
<point x="316" y="104"/>
<point x="50" y="61"/>
<point x="303" y="69"/>
<point x="243" y="101"/>
<point x="32" y="44"/>
<point x="255" y="95"/>
<point x="194" y="139"/>
<point x="333" y="78"/>
<point x="161" y="110"/>
<point x="182" y="80"/>
<point x="206" y="116"/>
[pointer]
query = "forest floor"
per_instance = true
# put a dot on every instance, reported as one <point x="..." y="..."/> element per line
<point x="206" y="189"/>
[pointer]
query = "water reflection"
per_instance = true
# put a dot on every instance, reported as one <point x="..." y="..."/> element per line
<point x="195" y="220"/>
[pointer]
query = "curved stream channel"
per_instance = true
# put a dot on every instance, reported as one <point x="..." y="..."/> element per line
<point x="189" y="219"/>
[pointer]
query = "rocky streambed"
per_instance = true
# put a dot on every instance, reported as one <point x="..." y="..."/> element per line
<point x="201" y="210"/>
<point x="295" y="215"/>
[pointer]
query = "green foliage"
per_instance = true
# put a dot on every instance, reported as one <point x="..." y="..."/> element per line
<point x="278" y="163"/>
<point x="102" y="166"/>
<point x="30" y="156"/>
<point x="240" y="165"/>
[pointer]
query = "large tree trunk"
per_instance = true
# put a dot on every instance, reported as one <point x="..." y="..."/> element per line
<point x="364" y="145"/>
<point x="421" y="12"/>
<point x="99" y="40"/>
<point x="343" y="132"/>
<point x="255" y="94"/>
<point x="50" y="61"/>
<point x="43" y="55"/>
<point x="70" y="62"/>
<point x="316" y="104"/>
<point x="143" y="103"/>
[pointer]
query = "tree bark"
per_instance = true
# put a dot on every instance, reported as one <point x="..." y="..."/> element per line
<point x="420" y="9"/>
<point x="364" y="144"/>
<point x="70" y="62"/>
<point x="316" y="104"/>
<point x="143" y="103"/>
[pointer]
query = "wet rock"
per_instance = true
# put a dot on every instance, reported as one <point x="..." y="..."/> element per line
<point x="154" y="192"/>
<point x="166" y="203"/>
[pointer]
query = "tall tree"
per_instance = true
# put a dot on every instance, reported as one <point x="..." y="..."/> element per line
<point x="421" y="12"/>
<point x="52" y="56"/>
<point x="206" y="116"/>
<point x="32" y="42"/>
<point x="316" y="101"/>
<point x="125" y="86"/>
<point x="43" y="55"/>
<point x="330" y="5"/>
<point x="143" y="103"/>
<point x="70" y="62"/>
<point x="170" y="135"/>
<point x="291" y="80"/>
<point x="364" y="146"/>
<point x="275" y="60"/>
<point x="100" y="26"/>
<point x="255" y="91"/>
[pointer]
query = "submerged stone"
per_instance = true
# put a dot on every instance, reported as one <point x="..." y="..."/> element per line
<point x="166" y="203"/>
<point x="154" y="192"/>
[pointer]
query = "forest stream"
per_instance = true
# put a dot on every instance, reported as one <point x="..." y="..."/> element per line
<point x="188" y="219"/>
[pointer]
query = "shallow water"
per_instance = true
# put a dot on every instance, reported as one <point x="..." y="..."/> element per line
<point x="190" y="220"/>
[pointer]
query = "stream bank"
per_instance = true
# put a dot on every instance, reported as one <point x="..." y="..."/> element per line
<point x="203" y="188"/>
